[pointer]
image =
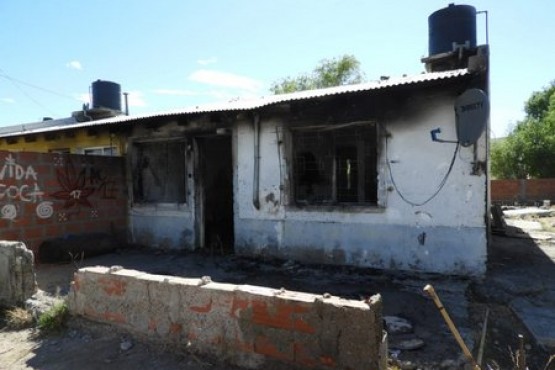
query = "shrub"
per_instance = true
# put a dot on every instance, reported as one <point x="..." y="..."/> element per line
<point x="53" y="319"/>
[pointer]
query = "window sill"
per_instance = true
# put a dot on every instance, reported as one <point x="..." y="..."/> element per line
<point x="159" y="208"/>
<point x="343" y="208"/>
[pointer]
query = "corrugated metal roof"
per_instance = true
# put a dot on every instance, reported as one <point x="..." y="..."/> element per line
<point x="37" y="125"/>
<point x="241" y="105"/>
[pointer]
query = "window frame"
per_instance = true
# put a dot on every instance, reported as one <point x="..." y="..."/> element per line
<point x="133" y="156"/>
<point x="107" y="151"/>
<point x="293" y="203"/>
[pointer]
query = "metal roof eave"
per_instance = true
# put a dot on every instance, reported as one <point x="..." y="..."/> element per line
<point x="245" y="105"/>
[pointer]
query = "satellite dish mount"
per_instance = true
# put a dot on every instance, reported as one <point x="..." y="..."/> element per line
<point x="471" y="117"/>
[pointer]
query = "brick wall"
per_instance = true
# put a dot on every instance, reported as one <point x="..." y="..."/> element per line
<point x="522" y="191"/>
<point x="45" y="196"/>
<point x="250" y="326"/>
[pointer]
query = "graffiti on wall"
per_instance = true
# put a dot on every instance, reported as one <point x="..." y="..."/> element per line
<point x="104" y="187"/>
<point x="74" y="190"/>
<point x="19" y="183"/>
<point x="78" y="185"/>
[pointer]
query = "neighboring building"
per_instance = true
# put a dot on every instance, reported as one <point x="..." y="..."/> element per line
<point x="78" y="134"/>
<point x="62" y="136"/>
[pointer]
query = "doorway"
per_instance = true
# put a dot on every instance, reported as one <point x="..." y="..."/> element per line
<point x="214" y="209"/>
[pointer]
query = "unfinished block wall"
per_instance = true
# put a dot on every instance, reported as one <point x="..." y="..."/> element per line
<point x="45" y="196"/>
<point x="244" y="325"/>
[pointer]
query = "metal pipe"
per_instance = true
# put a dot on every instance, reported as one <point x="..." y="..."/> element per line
<point x="125" y="94"/>
<point x="487" y="26"/>
<point x="256" y="171"/>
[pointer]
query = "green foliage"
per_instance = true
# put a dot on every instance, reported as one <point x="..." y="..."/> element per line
<point x="53" y="319"/>
<point x="538" y="105"/>
<point x="529" y="150"/>
<point x="330" y="72"/>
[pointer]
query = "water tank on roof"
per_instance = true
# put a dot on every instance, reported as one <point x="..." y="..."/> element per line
<point x="452" y="27"/>
<point x="106" y="94"/>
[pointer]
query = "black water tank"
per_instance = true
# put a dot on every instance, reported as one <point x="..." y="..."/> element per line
<point x="106" y="94"/>
<point x="456" y="23"/>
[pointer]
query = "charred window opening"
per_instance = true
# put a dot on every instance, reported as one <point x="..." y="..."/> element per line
<point x="160" y="172"/>
<point x="335" y="165"/>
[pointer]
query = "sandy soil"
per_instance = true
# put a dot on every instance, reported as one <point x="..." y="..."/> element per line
<point x="89" y="347"/>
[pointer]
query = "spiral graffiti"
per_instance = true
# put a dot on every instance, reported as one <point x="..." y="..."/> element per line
<point x="9" y="212"/>
<point x="45" y="210"/>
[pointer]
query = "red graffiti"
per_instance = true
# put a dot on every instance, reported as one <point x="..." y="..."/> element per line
<point x="74" y="191"/>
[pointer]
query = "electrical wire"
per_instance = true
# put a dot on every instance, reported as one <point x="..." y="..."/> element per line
<point x="16" y="82"/>
<point x="435" y="193"/>
<point x="32" y="99"/>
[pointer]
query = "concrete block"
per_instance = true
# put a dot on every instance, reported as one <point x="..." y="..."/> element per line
<point x="17" y="273"/>
<point x="249" y="326"/>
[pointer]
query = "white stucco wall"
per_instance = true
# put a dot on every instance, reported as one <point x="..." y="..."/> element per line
<point x="447" y="234"/>
<point x="163" y="226"/>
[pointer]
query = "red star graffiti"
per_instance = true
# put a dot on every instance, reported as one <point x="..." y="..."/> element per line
<point x="74" y="191"/>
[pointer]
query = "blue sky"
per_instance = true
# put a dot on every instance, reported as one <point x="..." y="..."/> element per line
<point x="174" y="53"/>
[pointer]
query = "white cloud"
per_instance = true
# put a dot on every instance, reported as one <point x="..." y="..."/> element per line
<point x="7" y="100"/>
<point x="135" y="99"/>
<point x="74" y="64"/>
<point x="207" y="61"/>
<point x="225" y="79"/>
<point x="175" y="92"/>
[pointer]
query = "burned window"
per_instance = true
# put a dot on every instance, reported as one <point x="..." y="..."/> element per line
<point x="159" y="172"/>
<point x="335" y="165"/>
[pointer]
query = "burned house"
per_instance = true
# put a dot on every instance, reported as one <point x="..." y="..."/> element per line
<point x="389" y="174"/>
<point x="367" y="175"/>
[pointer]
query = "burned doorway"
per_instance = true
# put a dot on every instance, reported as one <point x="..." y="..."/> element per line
<point x="214" y="209"/>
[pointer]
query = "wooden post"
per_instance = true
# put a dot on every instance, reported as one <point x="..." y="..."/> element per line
<point x="432" y="293"/>
<point x="521" y="356"/>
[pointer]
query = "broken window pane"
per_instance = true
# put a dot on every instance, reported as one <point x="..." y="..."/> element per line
<point x="159" y="172"/>
<point x="335" y="165"/>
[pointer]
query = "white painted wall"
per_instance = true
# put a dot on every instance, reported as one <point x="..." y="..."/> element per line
<point x="163" y="226"/>
<point x="381" y="237"/>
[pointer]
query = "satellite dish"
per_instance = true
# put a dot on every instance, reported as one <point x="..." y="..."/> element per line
<point x="472" y="112"/>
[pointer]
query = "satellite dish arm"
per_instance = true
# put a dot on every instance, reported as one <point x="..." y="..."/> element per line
<point x="434" y="133"/>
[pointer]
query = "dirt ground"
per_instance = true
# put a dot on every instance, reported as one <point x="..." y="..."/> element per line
<point x="84" y="345"/>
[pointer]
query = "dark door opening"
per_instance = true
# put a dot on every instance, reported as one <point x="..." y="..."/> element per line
<point x="215" y="216"/>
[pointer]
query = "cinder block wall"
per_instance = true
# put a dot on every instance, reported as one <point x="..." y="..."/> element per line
<point x="522" y="191"/>
<point x="250" y="326"/>
<point x="44" y="196"/>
